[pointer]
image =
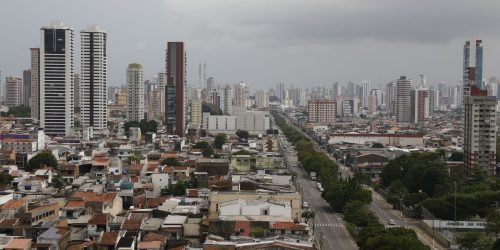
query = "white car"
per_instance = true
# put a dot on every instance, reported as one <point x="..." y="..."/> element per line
<point x="391" y="223"/>
<point x="321" y="189"/>
<point x="305" y="204"/>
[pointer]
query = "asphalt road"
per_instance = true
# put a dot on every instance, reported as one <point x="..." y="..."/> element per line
<point x="329" y="228"/>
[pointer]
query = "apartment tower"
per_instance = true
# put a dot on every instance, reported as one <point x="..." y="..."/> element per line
<point x="56" y="79"/>
<point x="93" y="78"/>
<point x="174" y="91"/>
<point x="135" y="92"/>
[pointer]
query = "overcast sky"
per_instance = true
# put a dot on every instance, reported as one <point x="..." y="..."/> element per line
<point x="263" y="42"/>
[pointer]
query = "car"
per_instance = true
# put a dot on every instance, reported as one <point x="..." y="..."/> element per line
<point x="391" y="223"/>
<point x="321" y="189"/>
<point x="305" y="204"/>
<point x="319" y="186"/>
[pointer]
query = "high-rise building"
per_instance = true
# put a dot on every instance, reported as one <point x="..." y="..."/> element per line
<point x="422" y="105"/>
<point x="135" y="92"/>
<point x="26" y="88"/>
<point x="76" y="80"/>
<point x="365" y="93"/>
<point x="479" y="115"/>
<point x="35" y="83"/>
<point x="174" y="91"/>
<point x="227" y="100"/>
<point x="403" y="99"/>
<point x="154" y="105"/>
<point x="390" y="93"/>
<point x="196" y="114"/>
<point x="262" y="99"/>
<point x="13" y="91"/>
<point x="280" y="91"/>
<point x="473" y="65"/>
<point x="322" y="111"/>
<point x="241" y="94"/>
<point x="93" y="82"/>
<point x="210" y="83"/>
<point x="56" y="79"/>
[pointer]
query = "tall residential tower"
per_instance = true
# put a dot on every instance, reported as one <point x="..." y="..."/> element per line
<point x="56" y="79"/>
<point x="174" y="91"/>
<point x="135" y="92"/>
<point x="93" y="78"/>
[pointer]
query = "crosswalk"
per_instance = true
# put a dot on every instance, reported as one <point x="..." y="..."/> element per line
<point x="328" y="225"/>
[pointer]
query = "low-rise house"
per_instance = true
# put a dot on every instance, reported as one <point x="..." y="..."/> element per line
<point x="46" y="173"/>
<point x="69" y="172"/>
<point x="151" y="245"/>
<point x="152" y="225"/>
<point x="283" y="227"/>
<point x="100" y="203"/>
<point x="370" y="164"/>
<point x="10" y="208"/>
<point x="213" y="167"/>
<point x="97" y="224"/>
<point x="173" y="226"/>
<point x="125" y="152"/>
<point x="20" y="145"/>
<point x="126" y="243"/>
<point x="108" y="240"/>
<point x="33" y="184"/>
<point x="18" y="244"/>
<point x="53" y="239"/>
<point x="41" y="212"/>
<point x="255" y="210"/>
<point x="160" y="181"/>
<point x="136" y="169"/>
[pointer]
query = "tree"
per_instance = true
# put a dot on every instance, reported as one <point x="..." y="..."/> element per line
<point x="219" y="140"/>
<point x="308" y="215"/>
<point x="58" y="182"/>
<point x="392" y="238"/>
<point x="41" y="159"/>
<point x="493" y="223"/>
<point x="206" y="149"/>
<point x="5" y="179"/>
<point x="145" y="126"/>
<point x="356" y="212"/>
<point x="378" y="145"/>
<point x="18" y="111"/>
<point x="470" y="240"/>
<point x="242" y="134"/>
<point x="177" y="189"/>
<point x="456" y="156"/>
<point x="171" y="161"/>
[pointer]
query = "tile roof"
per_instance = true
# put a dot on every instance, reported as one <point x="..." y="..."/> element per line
<point x="8" y="222"/>
<point x="132" y="224"/>
<point x="13" y="204"/>
<point x="135" y="167"/>
<point x="149" y="244"/>
<point x="84" y="245"/>
<point x="155" y="237"/>
<point x="75" y="204"/>
<point x="99" y="219"/>
<point x="91" y="196"/>
<point x="109" y="238"/>
<point x="18" y="244"/>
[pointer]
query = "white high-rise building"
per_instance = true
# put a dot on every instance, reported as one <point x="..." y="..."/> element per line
<point x="135" y="90"/>
<point x="56" y="79"/>
<point x="403" y="99"/>
<point x="13" y="91"/>
<point x="262" y="99"/>
<point x="93" y="79"/>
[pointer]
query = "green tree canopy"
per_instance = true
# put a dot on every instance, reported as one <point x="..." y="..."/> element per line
<point x="43" y="158"/>
<point x="242" y="134"/>
<point x="220" y="140"/>
<point x="392" y="238"/>
<point x="206" y="149"/>
<point x="18" y="111"/>
<point x="145" y="126"/>
<point x="378" y="145"/>
<point x="178" y="189"/>
<point x="456" y="156"/>
<point x="170" y="161"/>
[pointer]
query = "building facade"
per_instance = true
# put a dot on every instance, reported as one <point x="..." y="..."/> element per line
<point x="473" y="66"/>
<point x="403" y="99"/>
<point x="135" y="92"/>
<point x="262" y="99"/>
<point x="13" y="87"/>
<point x="93" y="82"/>
<point x="35" y="83"/>
<point x="26" y="88"/>
<point x="196" y="115"/>
<point x="175" y="98"/>
<point x="322" y="111"/>
<point x="56" y="79"/>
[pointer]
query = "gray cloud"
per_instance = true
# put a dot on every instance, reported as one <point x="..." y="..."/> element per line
<point x="299" y="42"/>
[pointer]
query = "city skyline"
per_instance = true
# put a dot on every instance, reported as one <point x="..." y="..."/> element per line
<point x="234" y="43"/>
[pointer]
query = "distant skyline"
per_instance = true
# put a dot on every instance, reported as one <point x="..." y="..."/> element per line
<point x="263" y="42"/>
